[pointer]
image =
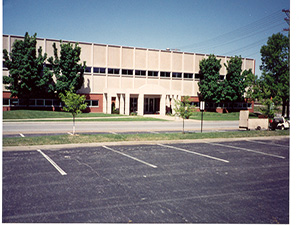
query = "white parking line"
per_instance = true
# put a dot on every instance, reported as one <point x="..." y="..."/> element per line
<point x="153" y="132"/>
<point x="131" y="157"/>
<point x="260" y="142"/>
<point x="246" y="149"/>
<point x="196" y="153"/>
<point x="53" y="163"/>
<point x="22" y="135"/>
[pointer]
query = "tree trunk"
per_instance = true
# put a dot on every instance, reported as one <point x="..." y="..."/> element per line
<point x="183" y="125"/>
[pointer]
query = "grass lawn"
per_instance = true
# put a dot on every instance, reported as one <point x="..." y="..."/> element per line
<point x="88" y="138"/>
<point x="219" y="116"/>
<point x="36" y="114"/>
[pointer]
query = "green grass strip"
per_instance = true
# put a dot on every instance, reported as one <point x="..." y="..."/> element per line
<point x="94" y="138"/>
<point x="36" y="114"/>
<point x="109" y="119"/>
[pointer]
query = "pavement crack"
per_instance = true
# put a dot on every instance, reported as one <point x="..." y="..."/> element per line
<point x="91" y="168"/>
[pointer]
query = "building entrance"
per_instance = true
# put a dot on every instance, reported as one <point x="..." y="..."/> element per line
<point x="151" y="105"/>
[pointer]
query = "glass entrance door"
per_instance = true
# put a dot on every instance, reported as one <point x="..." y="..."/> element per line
<point x="151" y="105"/>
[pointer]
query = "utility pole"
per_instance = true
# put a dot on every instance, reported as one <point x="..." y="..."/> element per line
<point x="287" y="19"/>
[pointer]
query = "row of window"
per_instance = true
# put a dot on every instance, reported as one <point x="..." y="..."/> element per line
<point x="114" y="71"/>
<point x="43" y="102"/>
<point x="102" y="70"/>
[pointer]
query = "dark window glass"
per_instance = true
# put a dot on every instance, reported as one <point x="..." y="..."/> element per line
<point x="188" y="75"/>
<point x="5" y="101"/>
<point x="140" y="72"/>
<point x="222" y="77"/>
<point x="56" y="102"/>
<point x="127" y="72"/>
<point x="4" y="66"/>
<point x="88" y="102"/>
<point x="165" y="74"/>
<point x="48" y="66"/>
<point x="48" y="102"/>
<point x="177" y="75"/>
<point x="40" y="102"/>
<point x="95" y="102"/>
<point x="110" y="71"/>
<point x="197" y="75"/>
<point x="152" y="73"/>
<point x="113" y="71"/>
<point x="88" y="69"/>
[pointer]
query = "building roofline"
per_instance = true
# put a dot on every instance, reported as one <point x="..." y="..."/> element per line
<point x="124" y="46"/>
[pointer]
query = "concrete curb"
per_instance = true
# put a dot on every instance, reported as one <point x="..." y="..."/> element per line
<point x="69" y="146"/>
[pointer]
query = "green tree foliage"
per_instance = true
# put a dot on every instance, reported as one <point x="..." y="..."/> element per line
<point x="251" y="85"/>
<point x="237" y="85"/>
<point x="74" y="103"/>
<point x="234" y="85"/>
<point x="67" y="69"/>
<point x="209" y="86"/>
<point x="27" y="77"/>
<point x="184" y="109"/>
<point x="275" y="79"/>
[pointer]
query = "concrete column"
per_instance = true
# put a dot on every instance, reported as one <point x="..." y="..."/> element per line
<point x="118" y="102"/>
<point x="162" y="105"/>
<point x="127" y="103"/>
<point x="173" y="103"/>
<point x="108" y="103"/>
<point x="104" y="103"/>
<point x="168" y="101"/>
<point x="122" y="104"/>
<point x="141" y="104"/>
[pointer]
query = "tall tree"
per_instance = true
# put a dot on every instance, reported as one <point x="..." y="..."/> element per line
<point x="27" y="77"/>
<point x="67" y="69"/>
<point x="234" y="86"/>
<point x="209" y="86"/>
<point x="275" y="79"/>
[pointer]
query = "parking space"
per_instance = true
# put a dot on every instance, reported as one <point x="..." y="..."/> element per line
<point x="212" y="182"/>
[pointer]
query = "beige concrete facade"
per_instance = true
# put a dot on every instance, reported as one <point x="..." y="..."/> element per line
<point x="135" y="79"/>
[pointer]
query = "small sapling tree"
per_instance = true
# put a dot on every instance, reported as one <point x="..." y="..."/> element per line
<point x="74" y="103"/>
<point x="184" y="109"/>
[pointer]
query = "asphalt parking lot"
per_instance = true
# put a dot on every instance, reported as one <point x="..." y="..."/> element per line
<point x="207" y="182"/>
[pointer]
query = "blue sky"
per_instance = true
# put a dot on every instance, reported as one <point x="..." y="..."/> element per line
<point x="221" y="27"/>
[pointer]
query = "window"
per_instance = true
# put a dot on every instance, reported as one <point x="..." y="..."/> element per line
<point x="222" y="77"/>
<point x="4" y="66"/>
<point x="152" y="74"/>
<point x="88" y="69"/>
<point x="188" y="75"/>
<point x="140" y="72"/>
<point x="92" y="103"/>
<point x="48" y="66"/>
<point x="39" y="102"/>
<point x="165" y="74"/>
<point x="176" y="75"/>
<point x="48" y="102"/>
<point x="127" y="72"/>
<point x="113" y="71"/>
<point x="197" y="75"/>
<point x="6" y="101"/>
<point x="99" y="70"/>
